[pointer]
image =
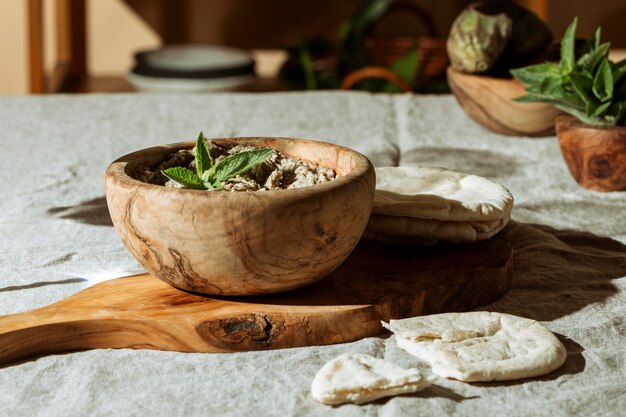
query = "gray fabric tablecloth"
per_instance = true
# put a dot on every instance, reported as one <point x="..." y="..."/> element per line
<point x="56" y="239"/>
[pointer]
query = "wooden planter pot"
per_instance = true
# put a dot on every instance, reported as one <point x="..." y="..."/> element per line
<point x="596" y="156"/>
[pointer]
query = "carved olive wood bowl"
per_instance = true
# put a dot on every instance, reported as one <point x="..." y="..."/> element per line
<point x="489" y="102"/>
<point x="595" y="156"/>
<point x="243" y="243"/>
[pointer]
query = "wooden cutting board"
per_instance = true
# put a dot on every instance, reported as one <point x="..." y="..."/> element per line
<point x="377" y="282"/>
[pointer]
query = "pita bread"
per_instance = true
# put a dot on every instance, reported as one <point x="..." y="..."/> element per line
<point x="480" y="346"/>
<point x="359" y="378"/>
<point x="432" y="230"/>
<point x="439" y="194"/>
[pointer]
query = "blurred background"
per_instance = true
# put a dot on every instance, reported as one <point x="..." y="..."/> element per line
<point x="53" y="46"/>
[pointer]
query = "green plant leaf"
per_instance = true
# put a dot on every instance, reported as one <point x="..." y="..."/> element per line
<point x="306" y="62"/>
<point x="619" y="70"/>
<point x="239" y="163"/>
<point x="590" y="60"/>
<point x="596" y="37"/>
<point x="618" y="111"/>
<point x="583" y="86"/>
<point x="406" y="68"/>
<point x="600" y="109"/>
<point x="535" y="73"/>
<point x="567" y="47"/>
<point x="203" y="156"/>
<point x="603" y="82"/>
<point x="185" y="177"/>
<point x="582" y="116"/>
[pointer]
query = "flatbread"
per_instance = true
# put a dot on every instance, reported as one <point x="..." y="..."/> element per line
<point x="480" y="346"/>
<point x="432" y="230"/>
<point x="359" y="378"/>
<point x="439" y="194"/>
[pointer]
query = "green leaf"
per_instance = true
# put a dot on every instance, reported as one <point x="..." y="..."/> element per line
<point x="619" y="70"/>
<point x="406" y="68"/>
<point x="596" y="37"/>
<point x="590" y="60"/>
<point x="239" y="163"/>
<point x="203" y="156"/>
<point x="618" y="110"/>
<point x="185" y="177"/>
<point x="567" y="47"/>
<point x="600" y="109"/>
<point x="603" y="82"/>
<point x="583" y="87"/>
<point x="582" y="116"/>
<point x="535" y="73"/>
<point x="306" y="62"/>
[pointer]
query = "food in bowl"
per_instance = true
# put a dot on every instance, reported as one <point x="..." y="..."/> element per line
<point x="213" y="167"/>
<point x="242" y="243"/>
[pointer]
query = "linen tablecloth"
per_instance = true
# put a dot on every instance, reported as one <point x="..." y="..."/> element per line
<point x="56" y="239"/>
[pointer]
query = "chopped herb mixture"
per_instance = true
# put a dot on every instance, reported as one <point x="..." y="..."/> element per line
<point x="213" y="167"/>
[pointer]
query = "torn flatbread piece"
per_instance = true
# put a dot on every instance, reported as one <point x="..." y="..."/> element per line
<point x="359" y="378"/>
<point x="439" y="194"/>
<point x="480" y="346"/>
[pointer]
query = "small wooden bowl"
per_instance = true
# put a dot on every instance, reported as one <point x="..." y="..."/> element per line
<point x="489" y="101"/>
<point x="595" y="156"/>
<point x="243" y="243"/>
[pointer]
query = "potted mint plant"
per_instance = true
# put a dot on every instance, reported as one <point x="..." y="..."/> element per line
<point x="591" y="89"/>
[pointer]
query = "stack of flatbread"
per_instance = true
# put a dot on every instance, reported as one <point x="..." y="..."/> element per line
<point x="422" y="206"/>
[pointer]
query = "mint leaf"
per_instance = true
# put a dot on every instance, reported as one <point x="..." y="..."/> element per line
<point x="535" y="73"/>
<point x="600" y="109"/>
<point x="590" y="60"/>
<point x="619" y="69"/>
<point x="567" y="47"/>
<point x="582" y="116"/>
<point x="185" y="177"/>
<point x="239" y="163"/>
<point x="603" y="82"/>
<point x="203" y="156"/>
<point x="209" y="180"/>
<point x="582" y="86"/>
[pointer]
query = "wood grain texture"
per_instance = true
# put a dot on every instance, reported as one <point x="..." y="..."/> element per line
<point x="376" y="282"/>
<point x="489" y="102"/>
<point x="243" y="243"/>
<point x="595" y="156"/>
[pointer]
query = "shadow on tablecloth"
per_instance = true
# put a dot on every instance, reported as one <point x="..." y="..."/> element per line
<point x="94" y="212"/>
<point x="558" y="272"/>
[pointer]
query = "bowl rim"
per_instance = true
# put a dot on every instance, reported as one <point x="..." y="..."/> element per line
<point x="116" y="170"/>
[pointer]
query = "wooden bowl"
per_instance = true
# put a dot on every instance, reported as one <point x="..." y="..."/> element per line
<point x="489" y="101"/>
<point x="243" y="243"/>
<point x="595" y="156"/>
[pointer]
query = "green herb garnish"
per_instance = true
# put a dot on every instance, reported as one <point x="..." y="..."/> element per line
<point x="590" y="87"/>
<point x="211" y="176"/>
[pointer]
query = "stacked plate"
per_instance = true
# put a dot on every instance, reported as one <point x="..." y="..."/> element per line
<point x="191" y="68"/>
<point x="422" y="206"/>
